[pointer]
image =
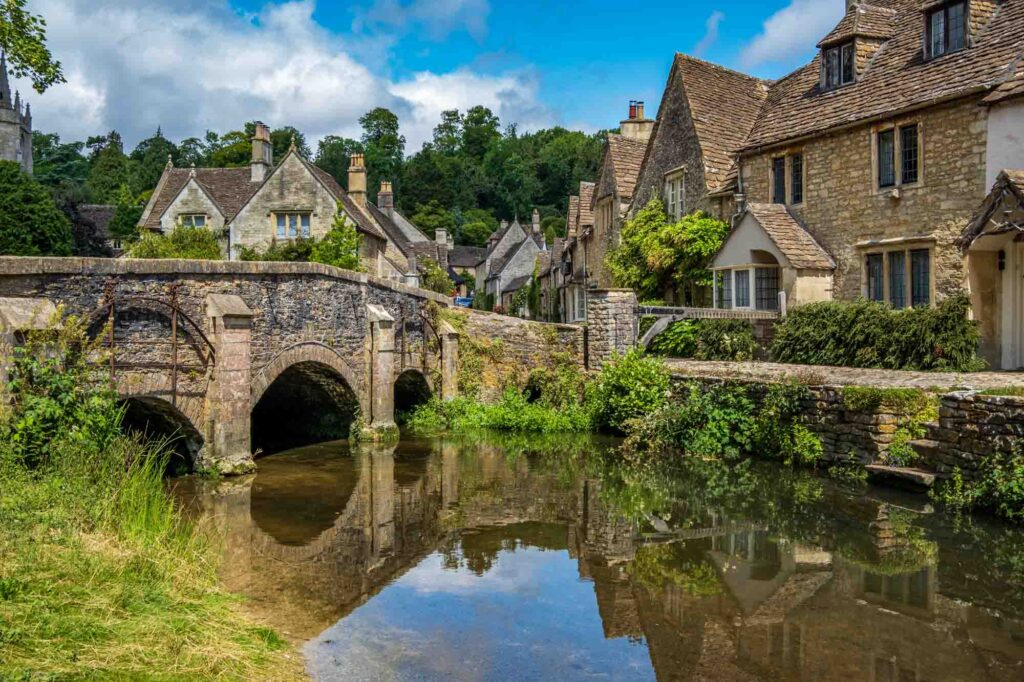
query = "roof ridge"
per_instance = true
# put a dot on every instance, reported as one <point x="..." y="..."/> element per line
<point x="683" y="55"/>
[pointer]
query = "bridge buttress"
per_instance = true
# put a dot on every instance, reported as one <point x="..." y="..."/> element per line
<point x="449" y="361"/>
<point x="380" y="422"/>
<point x="228" y="448"/>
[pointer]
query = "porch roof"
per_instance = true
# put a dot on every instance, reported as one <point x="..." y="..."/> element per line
<point x="795" y="243"/>
<point x="1007" y="189"/>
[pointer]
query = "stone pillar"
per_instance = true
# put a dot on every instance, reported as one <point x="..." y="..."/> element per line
<point x="228" y="449"/>
<point x="19" y="315"/>
<point x="449" y="361"/>
<point x="380" y="422"/>
<point x="612" y="323"/>
<point x="378" y="461"/>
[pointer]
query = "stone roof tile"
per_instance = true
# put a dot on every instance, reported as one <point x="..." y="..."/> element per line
<point x="586" y="205"/>
<point x="229" y="189"/>
<point x="869" y="21"/>
<point x="795" y="243"/>
<point x="627" y="155"/>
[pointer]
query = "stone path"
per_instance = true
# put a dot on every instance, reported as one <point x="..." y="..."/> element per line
<point x="846" y="376"/>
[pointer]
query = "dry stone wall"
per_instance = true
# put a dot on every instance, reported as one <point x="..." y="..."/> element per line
<point x="972" y="428"/>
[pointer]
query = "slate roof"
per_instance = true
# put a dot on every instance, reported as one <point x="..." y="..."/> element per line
<point x="795" y="243"/>
<point x="626" y="156"/>
<point x="467" y="256"/>
<point x="228" y="188"/>
<point x="724" y="105"/>
<point x="394" y="233"/>
<point x="586" y="205"/>
<point x="516" y="284"/>
<point x="896" y="79"/>
<point x="869" y="21"/>
<point x="543" y="261"/>
<point x="362" y="218"/>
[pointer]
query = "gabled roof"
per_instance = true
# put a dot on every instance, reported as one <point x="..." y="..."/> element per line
<point x="626" y="155"/>
<point x="466" y="256"/>
<point x="795" y="243"/>
<point x="868" y="21"/>
<point x="228" y="188"/>
<point x="1009" y="186"/>
<point x="543" y="263"/>
<point x="361" y="218"/>
<point x="572" y="217"/>
<point x="393" y="231"/>
<point x="586" y="218"/>
<point x="724" y="105"/>
<point x="516" y="284"/>
<point x="896" y="79"/>
<point x="1011" y="87"/>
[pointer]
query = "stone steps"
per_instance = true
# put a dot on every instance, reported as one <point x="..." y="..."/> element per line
<point x="908" y="478"/>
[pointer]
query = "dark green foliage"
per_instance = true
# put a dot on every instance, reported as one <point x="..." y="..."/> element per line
<point x="433" y="277"/>
<point x="707" y="340"/>
<point x="195" y="243"/>
<point x="333" y="153"/>
<point x="870" y="334"/>
<point x="289" y="251"/>
<point x="999" y="487"/>
<point x="432" y="216"/>
<point x="384" y="149"/>
<point x="125" y="223"/>
<point x="629" y="386"/>
<point x="30" y="223"/>
<point x="340" y="246"/>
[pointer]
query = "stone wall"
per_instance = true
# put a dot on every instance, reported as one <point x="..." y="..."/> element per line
<point x="842" y="207"/>
<point x="612" y="323"/>
<point x="971" y="428"/>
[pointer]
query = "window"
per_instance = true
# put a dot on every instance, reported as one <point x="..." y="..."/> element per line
<point x="875" y="282"/>
<point x="779" y="180"/>
<point x="838" y="65"/>
<point x="897" y="279"/>
<point x="742" y="288"/>
<point x="292" y="225"/>
<point x="947" y="29"/>
<point x="723" y="279"/>
<point x="193" y="220"/>
<point x="908" y="154"/>
<point x="766" y="288"/>
<point x="796" y="178"/>
<point x="886" y="158"/>
<point x="675" y="205"/>
<point x="920" y="277"/>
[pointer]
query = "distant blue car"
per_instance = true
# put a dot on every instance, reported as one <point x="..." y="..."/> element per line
<point x="464" y="301"/>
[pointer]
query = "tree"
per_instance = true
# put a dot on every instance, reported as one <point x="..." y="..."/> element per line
<point x="148" y="160"/>
<point x="448" y="133"/>
<point x="192" y="243"/>
<point x="281" y="140"/>
<point x="60" y="167"/>
<point x="30" y="223"/>
<point x="333" y="154"/>
<point x="385" y="148"/>
<point x="431" y="217"/>
<point x="552" y="227"/>
<point x="478" y="224"/>
<point x="340" y="246"/>
<point x="108" y="168"/>
<point x="232" y="150"/>
<point x="23" y="39"/>
<point x="480" y="128"/>
<point x="433" y="277"/>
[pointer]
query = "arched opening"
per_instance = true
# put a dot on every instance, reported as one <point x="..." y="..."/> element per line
<point x="307" y="403"/>
<point x="411" y="391"/>
<point x="157" y="419"/>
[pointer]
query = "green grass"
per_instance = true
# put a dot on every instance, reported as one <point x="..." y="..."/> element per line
<point x="100" y="578"/>
<point x="1005" y="391"/>
<point x="512" y="413"/>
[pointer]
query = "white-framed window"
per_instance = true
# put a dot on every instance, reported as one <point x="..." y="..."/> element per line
<point x="897" y="155"/>
<point x="900" y="276"/>
<point x="581" y="303"/>
<point x="748" y="287"/>
<point x="292" y="225"/>
<point x="675" y="199"/>
<point x="192" y="219"/>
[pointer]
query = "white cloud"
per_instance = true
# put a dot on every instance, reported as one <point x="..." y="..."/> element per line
<point x="710" y="33"/>
<point x="193" y="65"/>
<point x="787" y="33"/>
<point x="439" y="18"/>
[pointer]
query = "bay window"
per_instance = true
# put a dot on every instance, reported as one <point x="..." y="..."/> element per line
<point x="751" y="287"/>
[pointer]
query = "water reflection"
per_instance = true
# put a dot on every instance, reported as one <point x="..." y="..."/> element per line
<point x="485" y="560"/>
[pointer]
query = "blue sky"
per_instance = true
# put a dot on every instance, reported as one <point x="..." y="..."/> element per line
<point x="190" y="65"/>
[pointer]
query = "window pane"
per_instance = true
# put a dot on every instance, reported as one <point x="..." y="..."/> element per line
<point x="742" y="288"/>
<point x="847" y="70"/>
<point x="796" y="180"/>
<point x="305" y="224"/>
<point x="726" y="296"/>
<point x="199" y="221"/>
<point x="955" y="28"/>
<point x="779" y="180"/>
<point x="886" y="159"/>
<point x="897" y="279"/>
<point x="293" y="225"/>
<point x="938" y="33"/>
<point x="831" y="67"/>
<point x="766" y="288"/>
<point x="908" y="154"/>
<point x="874" y="273"/>
<point x="280" y="225"/>
<point x="920" y="277"/>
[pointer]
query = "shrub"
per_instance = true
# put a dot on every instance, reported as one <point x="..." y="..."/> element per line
<point x="999" y="488"/>
<point x="290" y="251"/>
<point x="340" y="246"/>
<point x="30" y="223"/>
<point x="679" y="340"/>
<point x="706" y="340"/>
<point x="514" y="412"/>
<point x="433" y="277"/>
<point x="870" y="334"/>
<point x="629" y="386"/>
<point x="194" y="243"/>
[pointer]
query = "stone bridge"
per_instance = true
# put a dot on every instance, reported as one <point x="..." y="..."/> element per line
<point x="234" y="352"/>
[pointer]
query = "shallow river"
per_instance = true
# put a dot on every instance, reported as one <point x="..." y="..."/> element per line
<point x="527" y="558"/>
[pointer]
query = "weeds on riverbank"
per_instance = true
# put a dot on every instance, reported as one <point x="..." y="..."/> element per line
<point x="99" y="575"/>
<point x="998" y="488"/>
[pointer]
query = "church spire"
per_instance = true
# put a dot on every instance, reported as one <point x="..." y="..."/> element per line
<point x="5" y="86"/>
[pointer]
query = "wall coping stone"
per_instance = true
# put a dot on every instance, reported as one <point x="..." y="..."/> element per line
<point x="34" y="265"/>
<point x="520" y="320"/>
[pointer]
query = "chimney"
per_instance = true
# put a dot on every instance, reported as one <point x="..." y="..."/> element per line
<point x="536" y="221"/>
<point x="441" y="236"/>
<point x="262" y="153"/>
<point x="636" y="127"/>
<point x="386" y="198"/>
<point x="357" y="179"/>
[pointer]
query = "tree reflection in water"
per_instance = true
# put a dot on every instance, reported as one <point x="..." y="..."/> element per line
<point x="738" y="572"/>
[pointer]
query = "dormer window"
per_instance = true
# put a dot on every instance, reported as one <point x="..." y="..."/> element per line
<point x="947" y="29"/>
<point x="838" y="64"/>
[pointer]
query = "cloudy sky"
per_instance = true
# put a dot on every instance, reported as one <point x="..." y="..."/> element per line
<point x="193" y="65"/>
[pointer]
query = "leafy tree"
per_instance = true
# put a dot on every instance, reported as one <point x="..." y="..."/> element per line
<point x="148" y="160"/>
<point x="433" y="277"/>
<point x="60" y="167"/>
<point x="474" y="234"/>
<point x="30" y="223"/>
<point x="552" y="226"/>
<point x="289" y="251"/>
<point x="657" y="256"/>
<point x="480" y="128"/>
<point x="125" y="223"/>
<point x="232" y="150"/>
<point x="108" y="168"/>
<point x="432" y="216"/>
<point x="23" y="39"/>
<point x="448" y="133"/>
<point x="333" y="154"/>
<point x="281" y="140"/>
<point x="340" y="246"/>
<point x="385" y="148"/>
<point x="193" y="243"/>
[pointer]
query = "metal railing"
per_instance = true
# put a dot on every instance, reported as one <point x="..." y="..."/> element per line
<point x="709" y="313"/>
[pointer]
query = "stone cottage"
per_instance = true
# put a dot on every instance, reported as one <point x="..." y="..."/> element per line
<point x="265" y="203"/>
<point x="570" y="274"/>
<point x="510" y="259"/>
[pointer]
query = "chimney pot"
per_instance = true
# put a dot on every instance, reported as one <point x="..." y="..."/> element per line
<point x="385" y="197"/>
<point x="640" y="109"/>
<point x="632" y="109"/>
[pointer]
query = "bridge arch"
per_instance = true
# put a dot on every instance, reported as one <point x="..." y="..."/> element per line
<point x="411" y="390"/>
<point x="157" y="418"/>
<point x="306" y="394"/>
